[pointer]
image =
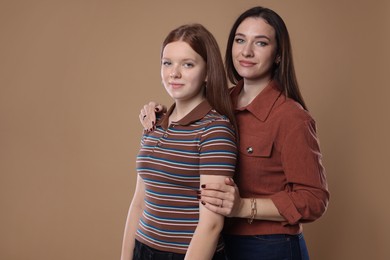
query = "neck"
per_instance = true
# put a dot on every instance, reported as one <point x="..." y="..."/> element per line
<point x="251" y="89"/>
<point x="182" y="108"/>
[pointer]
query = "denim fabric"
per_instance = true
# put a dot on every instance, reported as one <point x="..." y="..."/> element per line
<point x="266" y="247"/>
<point x="144" y="252"/>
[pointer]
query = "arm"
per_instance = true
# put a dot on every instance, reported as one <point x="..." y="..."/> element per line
<point x="147" y="116"/>
<point x="233" y="205"/>
<point x="304" y="201"/>
<point x="206" y="236"/>
<point x="218" y="156"/>
<point x="134" y="214"/>
<point x="307" y="196"/>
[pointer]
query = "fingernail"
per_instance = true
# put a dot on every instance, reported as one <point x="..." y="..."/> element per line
<point x="203" y="203"/>
<point x="203" y="185"/>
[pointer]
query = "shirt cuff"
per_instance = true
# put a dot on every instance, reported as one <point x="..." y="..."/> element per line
<point x="286" y="208"/>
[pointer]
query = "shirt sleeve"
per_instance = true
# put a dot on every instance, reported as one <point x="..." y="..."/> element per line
<point x="218" y="149"/>
<point x="306" y="196"/>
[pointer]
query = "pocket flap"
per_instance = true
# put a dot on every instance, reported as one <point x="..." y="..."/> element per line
<point x="256" y="145"/>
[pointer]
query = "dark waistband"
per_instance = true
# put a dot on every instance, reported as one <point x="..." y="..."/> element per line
<point x="155" y="253"/>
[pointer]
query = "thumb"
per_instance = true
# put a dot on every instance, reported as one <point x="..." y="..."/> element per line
<point x="229" y="181"/>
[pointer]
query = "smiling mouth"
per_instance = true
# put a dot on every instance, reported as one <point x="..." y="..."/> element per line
<point x="176" y="85"/>
<point x="246" y="63"/>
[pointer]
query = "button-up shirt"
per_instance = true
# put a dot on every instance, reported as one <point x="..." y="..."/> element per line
<point x="279" y="158"/>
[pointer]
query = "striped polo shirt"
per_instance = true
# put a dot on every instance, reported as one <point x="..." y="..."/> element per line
<point x="170" y="162"/>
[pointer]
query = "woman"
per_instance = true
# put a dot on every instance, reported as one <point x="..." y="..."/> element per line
<point x="192" y="144"/>
<point x="280" y="181"/>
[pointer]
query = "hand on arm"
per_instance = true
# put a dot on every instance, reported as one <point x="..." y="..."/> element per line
<point x="225" y="194"/>
<point x="207" y="233"/>
<point x="135" y="211"/>
<point x="235" y="206"/>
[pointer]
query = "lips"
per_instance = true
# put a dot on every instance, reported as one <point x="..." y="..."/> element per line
<point x="246" y="63"/>
<point x="175" y="85"/>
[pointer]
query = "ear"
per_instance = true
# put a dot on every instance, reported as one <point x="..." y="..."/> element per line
<point x="277" y="59"/>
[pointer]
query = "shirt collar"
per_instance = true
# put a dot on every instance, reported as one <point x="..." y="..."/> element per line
<point x="262" y="105"/>
<point x="196" y="114"/>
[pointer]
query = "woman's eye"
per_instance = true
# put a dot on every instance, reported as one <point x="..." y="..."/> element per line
<point x="262" y="44"/>
<point x="239" y="40"/>
<point x="188" y="65"/>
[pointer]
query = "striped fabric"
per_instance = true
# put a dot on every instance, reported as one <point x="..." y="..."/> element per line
<point x="170" y="162"/>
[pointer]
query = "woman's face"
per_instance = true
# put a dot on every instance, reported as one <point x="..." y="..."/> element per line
<point x="254" y="49"/>
<point x="183" y="71"/>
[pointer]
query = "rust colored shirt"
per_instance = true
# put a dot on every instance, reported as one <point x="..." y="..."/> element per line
<point x="279" y="158"/>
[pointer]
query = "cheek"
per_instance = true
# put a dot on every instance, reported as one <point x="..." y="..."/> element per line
<point x="235" y="51"/>
<point x="164" y="74"/>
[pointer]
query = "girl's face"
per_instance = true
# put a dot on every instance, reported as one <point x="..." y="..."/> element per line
<point x="183" y="72"/>
<point x="254" y="49"/>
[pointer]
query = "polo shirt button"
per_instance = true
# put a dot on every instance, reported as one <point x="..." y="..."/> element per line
<point x="249" y="150"/>
<point x="165" y="135"/>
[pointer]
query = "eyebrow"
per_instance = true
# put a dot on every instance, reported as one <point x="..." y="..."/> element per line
<point x="182" y="60"/>
<point x="256" y="37"/>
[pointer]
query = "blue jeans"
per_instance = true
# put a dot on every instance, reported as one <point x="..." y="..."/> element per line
<point x="144" y="252"/>
<point x="266" y="247"/>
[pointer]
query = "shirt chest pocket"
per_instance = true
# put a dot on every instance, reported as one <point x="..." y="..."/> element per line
<point x="256" y="145"/>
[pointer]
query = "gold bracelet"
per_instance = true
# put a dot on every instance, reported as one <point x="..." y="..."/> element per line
<point x="253" y="210"/>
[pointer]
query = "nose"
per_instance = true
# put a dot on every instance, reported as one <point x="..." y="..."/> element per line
<point x="175" y="73"/>
<point x="247" y="50"/>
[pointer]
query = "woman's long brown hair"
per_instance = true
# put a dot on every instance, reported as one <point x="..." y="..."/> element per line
<point x="284" y="72"/>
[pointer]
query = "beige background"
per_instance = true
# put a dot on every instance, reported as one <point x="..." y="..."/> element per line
<point x="74" y="75"/>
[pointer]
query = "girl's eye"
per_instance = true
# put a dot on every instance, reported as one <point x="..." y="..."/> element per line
<point x="188" y="65"/>
<point x="166" y="63"/>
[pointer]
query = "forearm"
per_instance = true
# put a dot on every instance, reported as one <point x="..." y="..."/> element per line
<point x="206" y="235"/>
<point x="133" y="217"/>
<point x="129" y="233"/>
<point x="204" y="241"/>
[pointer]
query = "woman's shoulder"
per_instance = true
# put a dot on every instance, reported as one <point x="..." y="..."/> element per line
<point x="291" y="111"/>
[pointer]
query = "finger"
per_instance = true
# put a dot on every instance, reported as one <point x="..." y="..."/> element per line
<point x="152" y="103"/>
<point x="146" y="123"/>
<point x="148" y="116"/>
<point x="141" y="117"/>
<point x="213" y="194"/>
<point x="216" y="186"/>
<point x="212" y="200"/>
<point x="216" y="209"/>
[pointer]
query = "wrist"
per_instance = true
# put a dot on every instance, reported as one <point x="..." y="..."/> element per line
<point x="253" y="213"/>
<point x="245" y="208"/>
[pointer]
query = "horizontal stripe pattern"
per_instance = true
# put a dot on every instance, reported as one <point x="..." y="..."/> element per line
<point x="170" y="163"/>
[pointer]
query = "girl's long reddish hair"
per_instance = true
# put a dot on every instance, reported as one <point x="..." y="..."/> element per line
<point x="204" y="43"/>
